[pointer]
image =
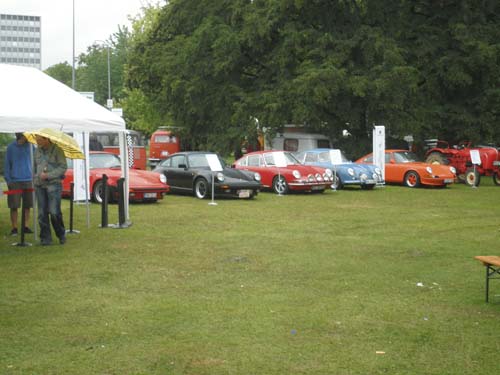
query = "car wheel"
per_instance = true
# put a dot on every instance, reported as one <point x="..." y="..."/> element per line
<point x="201" y="188"/>
<point x="337" y="183"/>
<point x="98" y="192"/>
<point x="496" y="178"/>
<point x="437" y="158"/>
<point x="472" y="177"/>
<point x="412" y="179"/>
<point x="279" y="185"/>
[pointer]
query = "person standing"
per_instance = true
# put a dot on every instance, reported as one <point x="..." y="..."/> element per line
<point x="18" y="175"/>
<point x="50" y="166"/>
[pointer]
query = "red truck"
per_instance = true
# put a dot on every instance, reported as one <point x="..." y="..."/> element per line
<point x="163" y="143"/>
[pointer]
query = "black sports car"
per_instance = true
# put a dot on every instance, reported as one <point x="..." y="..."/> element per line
<point x="190" y="172"/>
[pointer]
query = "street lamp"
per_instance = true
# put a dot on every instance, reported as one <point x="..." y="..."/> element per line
<point x="73" y="59"/>
<point x="109" y="103"/>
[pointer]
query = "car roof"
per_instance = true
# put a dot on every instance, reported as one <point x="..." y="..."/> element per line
<point x="193" y="153"/>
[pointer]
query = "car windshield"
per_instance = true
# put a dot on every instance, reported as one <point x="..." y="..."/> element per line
<point x="104" y="161"/>
<point x="401" y="157"/>
<point x="201" y="161"/>
<point x="333" y="156"/>
<point x="271" y="158"/>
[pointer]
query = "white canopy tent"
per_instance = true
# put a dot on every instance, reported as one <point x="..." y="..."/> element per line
<point x="31" y="100"/>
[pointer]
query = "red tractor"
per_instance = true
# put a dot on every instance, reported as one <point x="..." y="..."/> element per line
<point x="459" y="156"/>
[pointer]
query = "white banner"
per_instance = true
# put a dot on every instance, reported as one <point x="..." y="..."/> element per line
<point x="81" y="168"/>
<point x="379" y="148"/>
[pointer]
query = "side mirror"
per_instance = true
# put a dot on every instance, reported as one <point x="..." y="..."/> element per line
<point x="392" y="161"/>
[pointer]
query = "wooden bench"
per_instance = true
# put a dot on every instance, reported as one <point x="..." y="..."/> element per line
<point x="492" y="264"/>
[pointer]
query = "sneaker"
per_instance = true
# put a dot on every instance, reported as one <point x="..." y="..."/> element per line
<point x="62" y="240"/>
<point x="27" y="230"/>
<point x="13" y="232"/>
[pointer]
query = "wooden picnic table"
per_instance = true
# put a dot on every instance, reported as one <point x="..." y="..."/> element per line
<point x="492" y="264"/>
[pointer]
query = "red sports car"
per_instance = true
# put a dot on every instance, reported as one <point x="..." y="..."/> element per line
<point x="144" y="186"/>
<point x="282" y="172"/>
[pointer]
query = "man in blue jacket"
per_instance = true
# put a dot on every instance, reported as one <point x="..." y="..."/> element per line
<point x="19" y="176"/>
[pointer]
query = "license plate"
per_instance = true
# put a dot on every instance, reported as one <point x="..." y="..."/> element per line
<point x="496" y="162"/>
<point x="244" y="194"/>
<point x="149" y="195"/>
<point x="370" y="182"/>
<point x="318" y="187"/>
<point x="448" y="181"/>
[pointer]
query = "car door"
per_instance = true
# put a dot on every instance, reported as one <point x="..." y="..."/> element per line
<point x="394" y="171"/>
<point x="255" y="163"/>
<point x="177" y="173"/>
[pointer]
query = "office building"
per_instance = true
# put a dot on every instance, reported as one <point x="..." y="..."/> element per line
<point x="20" y="40"/>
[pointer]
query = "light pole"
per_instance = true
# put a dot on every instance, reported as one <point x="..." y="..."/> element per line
<point x="109" y="103"/>
<point x="73" y="59"/>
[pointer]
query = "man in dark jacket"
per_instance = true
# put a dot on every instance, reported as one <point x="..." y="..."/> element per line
<point x="50" y="166"/>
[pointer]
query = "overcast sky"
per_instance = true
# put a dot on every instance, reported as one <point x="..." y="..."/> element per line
<point x="94" y="20"/>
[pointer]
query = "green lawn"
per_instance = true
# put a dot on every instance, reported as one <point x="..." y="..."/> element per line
<point x="300" y="284"/>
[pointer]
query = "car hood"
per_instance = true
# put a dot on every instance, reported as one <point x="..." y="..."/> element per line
<point x="137" y="177"/>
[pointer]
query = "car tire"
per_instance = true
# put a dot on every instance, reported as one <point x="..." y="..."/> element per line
<point x="337" y="183"/>
<point x="437" y="158"/>
<point x="201" y="188"/>
<point x="98" y="191"/>
<point x="280" y="185"/>
<point x="472" y="177"/>
<point x="412" y="179"/>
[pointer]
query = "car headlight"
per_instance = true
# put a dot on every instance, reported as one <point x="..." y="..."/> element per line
<point x="429" y="170"/>
<point x="453" y="170"/>
<point x="375" y="176"/>
<point x="310" y="178"/>
<point x="328" y="172"/>
<point x="378" y="171"/>
<point x="319" y="177"/>
<point x="296" y="173"/>
<point x="257" y="176"/>
<point x="220" y="176"/>
<point x="163" y="178"/>
<point x="363" y="177"/>
<point x="350" y="171"/>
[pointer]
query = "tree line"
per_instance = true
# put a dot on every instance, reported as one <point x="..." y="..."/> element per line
<point x="218" y="69"/>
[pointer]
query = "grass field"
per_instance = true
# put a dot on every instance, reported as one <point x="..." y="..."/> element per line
<point x="347" y="282"/>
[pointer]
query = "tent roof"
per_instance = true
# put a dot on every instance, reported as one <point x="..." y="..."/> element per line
<point x="30" y="100"/>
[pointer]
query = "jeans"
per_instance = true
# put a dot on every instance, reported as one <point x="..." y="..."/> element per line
<point x="49" y="205"/>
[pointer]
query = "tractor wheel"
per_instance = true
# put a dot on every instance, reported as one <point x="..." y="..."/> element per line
<point x="496" y="178"/>
<point x="437" y="158"/>
<point x="472" y="177"/>
<point x="412" y="179"/>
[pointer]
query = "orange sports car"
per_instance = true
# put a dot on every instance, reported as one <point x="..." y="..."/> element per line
<point x="404" y="167"/>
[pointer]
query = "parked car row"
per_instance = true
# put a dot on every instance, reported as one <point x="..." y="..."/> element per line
<point x="280" y="171"/>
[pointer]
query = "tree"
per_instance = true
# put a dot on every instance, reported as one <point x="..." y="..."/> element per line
<point x="92" y="72"/>
<point x="63" y="72"/>
<point x="421" y="67"/>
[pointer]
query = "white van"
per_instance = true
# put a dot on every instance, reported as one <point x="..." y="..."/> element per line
<point x="297" y="141"/>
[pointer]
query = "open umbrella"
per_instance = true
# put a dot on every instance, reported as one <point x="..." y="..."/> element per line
<point x="68" y="144"/>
